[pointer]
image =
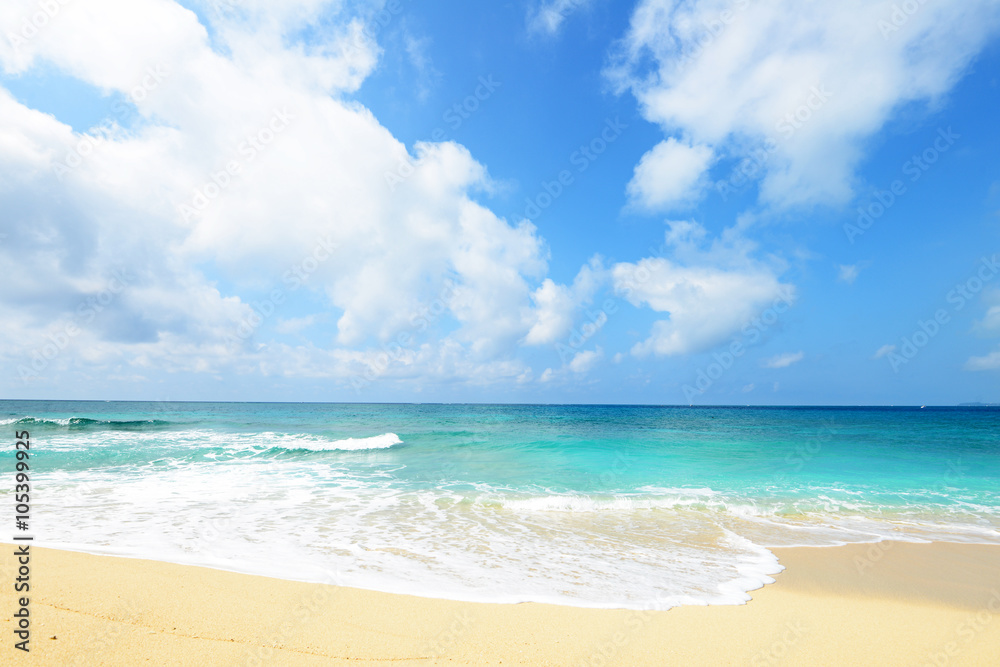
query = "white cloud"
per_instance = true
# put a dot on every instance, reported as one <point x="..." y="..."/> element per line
<point x="670" y="175"/>
<point x="989" y="362"/>
<point x="427" y="74"/>
<point x="848" y="273"/>
<point x="548" y="17"/>
<point x="556" y="305"/>
<point x="748" y="388"/>
<point x="295" y="325"/>
<point x="883" y="351"/>
<point x="803" y="83"/>
<point x="582" y="362"/>
<point x="713" y="294"/>
<point x="585" y="360"/>
<point x="313" y="195"/>
<point x="990" y="324"/>
<point x="784" y="360"/>
<point x="987" y="327"/>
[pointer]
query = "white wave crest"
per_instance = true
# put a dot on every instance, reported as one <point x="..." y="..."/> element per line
<point x="383" y="441"/>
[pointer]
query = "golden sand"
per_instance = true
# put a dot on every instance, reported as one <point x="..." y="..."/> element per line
<point x="888" y="604"/>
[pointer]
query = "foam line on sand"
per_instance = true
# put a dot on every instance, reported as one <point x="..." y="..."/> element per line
<point x="885" y="604"/>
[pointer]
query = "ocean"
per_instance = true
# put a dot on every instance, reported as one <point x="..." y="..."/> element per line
<point x="594" y="506"/>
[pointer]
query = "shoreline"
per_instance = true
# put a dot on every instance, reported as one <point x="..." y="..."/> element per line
<point x="332" y="578"/>
<point x="876" y="603"/>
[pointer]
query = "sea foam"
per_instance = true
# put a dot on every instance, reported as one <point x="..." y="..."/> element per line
<point x="593" y="506"/>
<point x="383" y="441"/>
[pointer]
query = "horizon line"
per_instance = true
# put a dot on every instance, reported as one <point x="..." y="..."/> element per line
<point x="970" y="404"/>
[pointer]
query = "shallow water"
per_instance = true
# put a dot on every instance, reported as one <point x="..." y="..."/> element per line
<point x="603" y="506"/>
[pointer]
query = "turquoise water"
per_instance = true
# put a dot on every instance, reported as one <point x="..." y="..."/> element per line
<point x="606" y="506"/>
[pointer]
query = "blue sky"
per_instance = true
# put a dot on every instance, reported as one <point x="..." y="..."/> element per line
<point x="536" y="201"/>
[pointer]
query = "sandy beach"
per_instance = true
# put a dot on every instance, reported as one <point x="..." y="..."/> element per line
<point x="885" y="604"/>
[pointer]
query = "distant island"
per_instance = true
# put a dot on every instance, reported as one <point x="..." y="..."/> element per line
<point x="979" y="405"/>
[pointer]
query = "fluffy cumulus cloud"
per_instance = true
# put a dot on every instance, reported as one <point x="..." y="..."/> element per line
<point x="670" y="175"/>
<point x="586" y="360"/>
<point x="243" y="179"/>
<point x="577" y="366"/>
<point x="793" y="87"/>
<point x="556" y="306"/>
<point x="707" y="291"/>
